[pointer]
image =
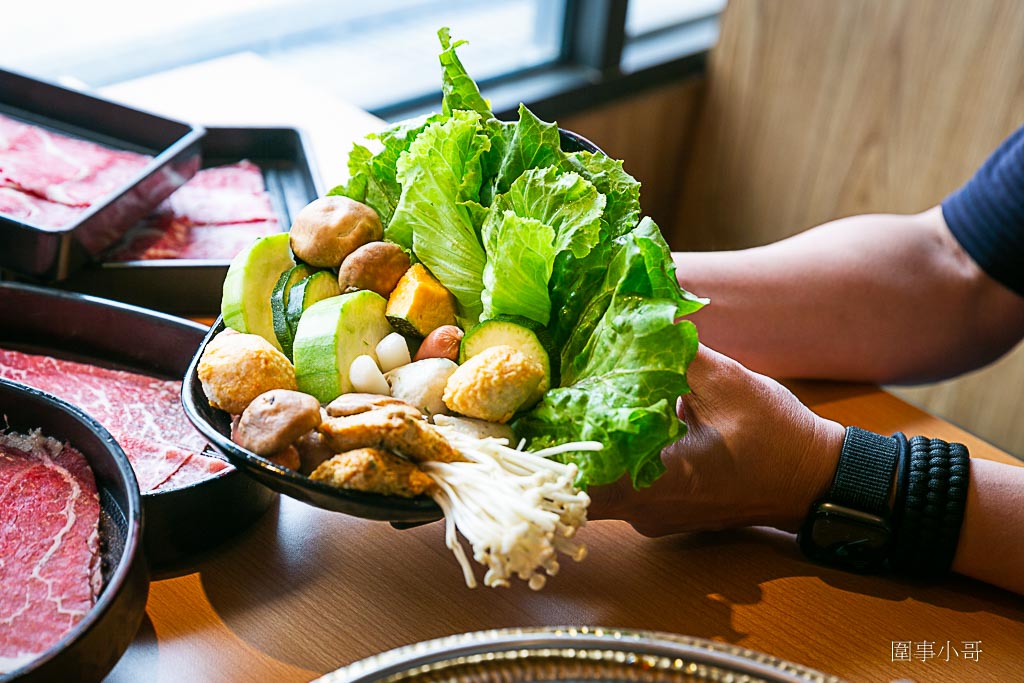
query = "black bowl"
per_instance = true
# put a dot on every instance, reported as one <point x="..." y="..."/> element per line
<point x="90" y="650"/>
<point x="180" y="522"/>
<point x="216" y="426"/>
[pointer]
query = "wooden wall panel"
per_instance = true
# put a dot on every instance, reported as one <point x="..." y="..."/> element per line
<point x="816" y="110"/>
<point x="652" y="132"/>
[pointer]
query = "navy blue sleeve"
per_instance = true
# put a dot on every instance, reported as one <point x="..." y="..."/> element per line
<point x="986" y="215"/>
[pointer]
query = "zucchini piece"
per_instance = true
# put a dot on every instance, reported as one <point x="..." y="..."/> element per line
<point x="284" y="332"/>
<point x="419" y="303"/>
<point x="331" y="334"/>
<point x="316" y="287"/>
<point x="515" y="332"/>
<point x="245" y="303"/>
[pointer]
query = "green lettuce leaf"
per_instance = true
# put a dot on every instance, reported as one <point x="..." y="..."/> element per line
<point x="624" y="395"/>
<point x="565" y="202"/>
<point x="440" y="175"/>
<point x="641" y="263"/>
<point x="621" y="189"/>
<point x="556" y="216"/>
<point x="373" y="177"/>
<point x="520" y="255"/>
<point x="511" y="224"/>
<point x="533" y="144"/>
<point x="623" y="364"/>
<point x="459" y="91"/>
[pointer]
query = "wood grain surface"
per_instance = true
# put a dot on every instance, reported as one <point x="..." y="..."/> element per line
<point x="816" y="110"/>
<point x="306" y="591"/>
<point x="652" y="133"/>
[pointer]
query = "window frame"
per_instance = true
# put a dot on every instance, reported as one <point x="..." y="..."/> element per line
<point x="598" y="63"/>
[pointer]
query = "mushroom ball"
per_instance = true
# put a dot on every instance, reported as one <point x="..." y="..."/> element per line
<point x="236" y="368"/>
<point x="493" y="384"/>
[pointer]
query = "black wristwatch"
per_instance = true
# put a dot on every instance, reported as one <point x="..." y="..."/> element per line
<point x="852" y="527"/>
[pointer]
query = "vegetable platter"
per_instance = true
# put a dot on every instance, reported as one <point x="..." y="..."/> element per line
<point x="477" y="323"/>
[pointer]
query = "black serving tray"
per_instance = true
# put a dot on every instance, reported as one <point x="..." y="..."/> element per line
<point x="180" y="522"/>
<point x="90" y="650"/>
<point x="215" y="425"/>
<point x="53" y="254"/>
<point x="192" y="285"/>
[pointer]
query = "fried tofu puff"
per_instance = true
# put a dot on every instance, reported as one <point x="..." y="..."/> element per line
<point x="394" y="428"/>
<point x="236" y="368"/>
<point x="372" y="469"/>
<point x="493" y="384"/>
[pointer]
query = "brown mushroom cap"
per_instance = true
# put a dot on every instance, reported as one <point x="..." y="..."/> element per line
<point x="376" y="266"/>
<point x="275" y="419"/>
<point x="330" y="228"/>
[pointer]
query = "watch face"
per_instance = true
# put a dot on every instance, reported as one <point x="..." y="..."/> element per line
<point x="846" y="537"/>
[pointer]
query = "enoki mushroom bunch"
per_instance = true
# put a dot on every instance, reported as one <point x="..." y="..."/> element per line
<point x="518" y="510"/>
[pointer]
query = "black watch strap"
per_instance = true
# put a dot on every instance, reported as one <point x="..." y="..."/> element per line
<point x="864" y="476"/>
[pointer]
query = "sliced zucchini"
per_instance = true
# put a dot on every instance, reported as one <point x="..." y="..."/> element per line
<point x="519" y="333"/>
<point x="331" y="334"/>
<point x="316" y="287"/>
<point x="284" y="332"/>
<point x="250" y="281"/>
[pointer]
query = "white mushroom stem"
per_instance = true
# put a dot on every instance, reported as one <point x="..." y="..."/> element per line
<point x="516" y="509"/>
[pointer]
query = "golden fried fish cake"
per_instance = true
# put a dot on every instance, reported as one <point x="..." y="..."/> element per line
<point x="372" y="469"/>
<point x="390" y="429"/>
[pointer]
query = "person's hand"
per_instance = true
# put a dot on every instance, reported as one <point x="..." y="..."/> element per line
<point x="754" y="455"/>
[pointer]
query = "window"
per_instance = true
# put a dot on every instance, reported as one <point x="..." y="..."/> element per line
<point x="644" y="17"/>
<point x="379" y="54"/>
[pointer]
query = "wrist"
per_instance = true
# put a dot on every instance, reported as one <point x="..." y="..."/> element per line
<point x="893" y="504"/>
<point x="814" y="472"/>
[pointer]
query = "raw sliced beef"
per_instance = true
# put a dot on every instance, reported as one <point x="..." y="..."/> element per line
<point x="224" y="194"/>
<point x="196" y="468"/>
<point x="224" y="241"/>
<point x="10" y="131"/>
<point x="215" y="215"/>
<point x="119" y="171"/>
<point x="41" y="213"/>
<point x="40" y="169"/>
<point x="49" y="545"/>
<point x="60" y="168"/>
<point x="143" y="413"/>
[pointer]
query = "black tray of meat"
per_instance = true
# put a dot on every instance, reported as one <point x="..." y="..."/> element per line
<point x="74" y="579"/>
<point x="253" y="182"/>
<point x="123" y="365"/>
<point x="76" y="171"/>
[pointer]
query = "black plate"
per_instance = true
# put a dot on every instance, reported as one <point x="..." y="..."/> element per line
<point x="54" y="254"/>
<point x="192" y="285"/>
<point x="179" y="522"/>
<point x="94" y="645"/>
<point x="216" y="426"/>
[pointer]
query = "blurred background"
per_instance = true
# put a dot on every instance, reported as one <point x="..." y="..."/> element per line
<point x="746" y="121"/>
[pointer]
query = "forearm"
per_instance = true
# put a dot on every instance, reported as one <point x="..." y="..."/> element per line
<point x="990" y="547"/>
<point x="877" y="298"/>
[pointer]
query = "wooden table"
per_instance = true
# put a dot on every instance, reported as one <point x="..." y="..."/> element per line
<point x="306" y="591"/>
